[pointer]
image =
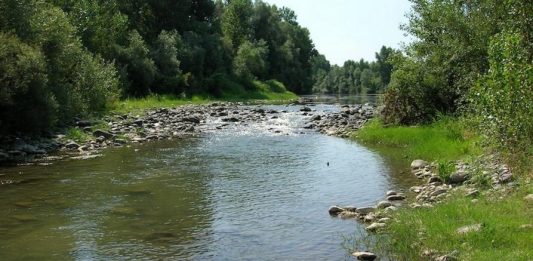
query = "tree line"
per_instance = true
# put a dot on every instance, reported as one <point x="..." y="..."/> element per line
<point x="353" y="77"/>
<point x="61" y="59"/>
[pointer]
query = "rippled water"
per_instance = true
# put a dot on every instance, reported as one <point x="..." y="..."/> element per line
<point x="254" y="192"/>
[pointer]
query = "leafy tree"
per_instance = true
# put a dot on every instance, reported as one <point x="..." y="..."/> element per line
<point x="164" y="55"/>
<point x="137" y="67"/>
<point x="236" y="22"/>
<point x="250" y="61"/>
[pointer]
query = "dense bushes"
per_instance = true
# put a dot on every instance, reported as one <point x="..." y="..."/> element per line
<point x="503" y="98"/>
<point x="48" y="76"/>
<point x="470" y="58"/>
<point x="25" y="100"/>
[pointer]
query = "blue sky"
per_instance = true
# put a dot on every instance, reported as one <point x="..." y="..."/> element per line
<point x="351" y="29"/>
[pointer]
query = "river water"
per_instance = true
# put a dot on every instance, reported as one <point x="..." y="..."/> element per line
<point x="254" y="192"/>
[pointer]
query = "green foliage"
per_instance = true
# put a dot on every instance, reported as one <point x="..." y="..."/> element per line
<point x="77" y="135"/>
<point x="445" y="169"/>
<point x="164" y="54"/>
<point x="72" y="82"/>
<point x="353" y="77"/>
<point x="503" y="98"/>
<point x="25" y="100"/>
<point x="250" y="61"/>
<point x="137" y="68"/>
<point x="236" y="22"/>
<point x="445" y="139"/>
<point x="414" y="94"/>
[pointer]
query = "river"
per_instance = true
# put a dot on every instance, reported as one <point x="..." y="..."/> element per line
<point x="241" y="193"/>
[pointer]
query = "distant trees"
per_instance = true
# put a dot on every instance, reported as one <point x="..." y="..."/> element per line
<point x="70" y="58"/>
<point x="360" y="77"/>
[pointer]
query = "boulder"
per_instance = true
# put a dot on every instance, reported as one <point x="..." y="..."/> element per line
<point x="383" y="204"/>
<point x="366" y="256"/>
<point x="391" y="192"/>
<point x="395" y="197"/>
<point x="335" y="210"/>
<point x="305" y="109"/>
<point x="418" y="164"/>
<point x="101" y="133"/>
<point x="365" y="211"/>
<point x="72" y="146"/>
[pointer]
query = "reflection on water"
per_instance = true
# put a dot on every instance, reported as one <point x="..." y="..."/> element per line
<point x="243" y="193"/>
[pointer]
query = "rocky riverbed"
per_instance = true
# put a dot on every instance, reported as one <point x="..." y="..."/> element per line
<point x="164" y="123"/>
<point x="433" y="189"/>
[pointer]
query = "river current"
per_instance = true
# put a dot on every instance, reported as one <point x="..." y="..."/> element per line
<point x="248" y="192"/>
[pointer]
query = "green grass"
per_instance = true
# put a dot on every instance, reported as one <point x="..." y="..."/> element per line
<point x="445" y="139"/>
<point x="500" y="238"/>
<point x="155" y="101"/>
<point x="272" y="91"/>
<point x="76" y="134"/>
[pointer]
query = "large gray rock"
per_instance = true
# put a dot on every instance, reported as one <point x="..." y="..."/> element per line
<point x="418" y="164"/>
<point x="365" y="211"/>
<point x="365" y="256"/>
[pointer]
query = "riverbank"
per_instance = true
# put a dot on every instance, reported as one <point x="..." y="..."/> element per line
<point x="153" y="119"/>
<point x="468" y="206"/>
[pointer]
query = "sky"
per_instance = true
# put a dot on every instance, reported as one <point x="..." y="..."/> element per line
<point x="351" y="29"/>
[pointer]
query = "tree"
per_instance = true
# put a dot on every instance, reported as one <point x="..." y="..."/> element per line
<point x="250" y="61"/>
<point x="236" y="22"/>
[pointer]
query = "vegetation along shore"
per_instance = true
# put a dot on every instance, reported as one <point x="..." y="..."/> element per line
<point x="77" y="77"/>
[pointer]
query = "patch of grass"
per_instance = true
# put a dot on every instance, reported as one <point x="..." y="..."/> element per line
<point x="445" y="169"/>
<point x="76" y="134"/>
<point x="155" y="101"/>
<point x="445" y="139"/>
<point x="500" y="238"/>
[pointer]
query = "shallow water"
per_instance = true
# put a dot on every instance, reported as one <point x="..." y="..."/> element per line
<point x="248" y="192"/>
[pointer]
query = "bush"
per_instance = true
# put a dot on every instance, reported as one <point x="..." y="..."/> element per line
<point x="137" y="68"/>
<point x="26" y="103"/>
<point x="503" y="98"/>
<point x="414" y="94"/>
<point x="81" y="84"/>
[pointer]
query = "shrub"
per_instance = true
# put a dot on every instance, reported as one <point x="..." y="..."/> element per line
<point x="26" y="104"/>
<point x="503" y="98"/>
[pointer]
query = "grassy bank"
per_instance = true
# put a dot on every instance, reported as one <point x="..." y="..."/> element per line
<point x="504" y="214"/>
<point x="445" y="139"/>
<point x="504" y="234"/>
<point x="269" y="91"/>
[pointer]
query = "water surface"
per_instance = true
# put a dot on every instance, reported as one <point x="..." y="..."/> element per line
<point x="248" y="192"/>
